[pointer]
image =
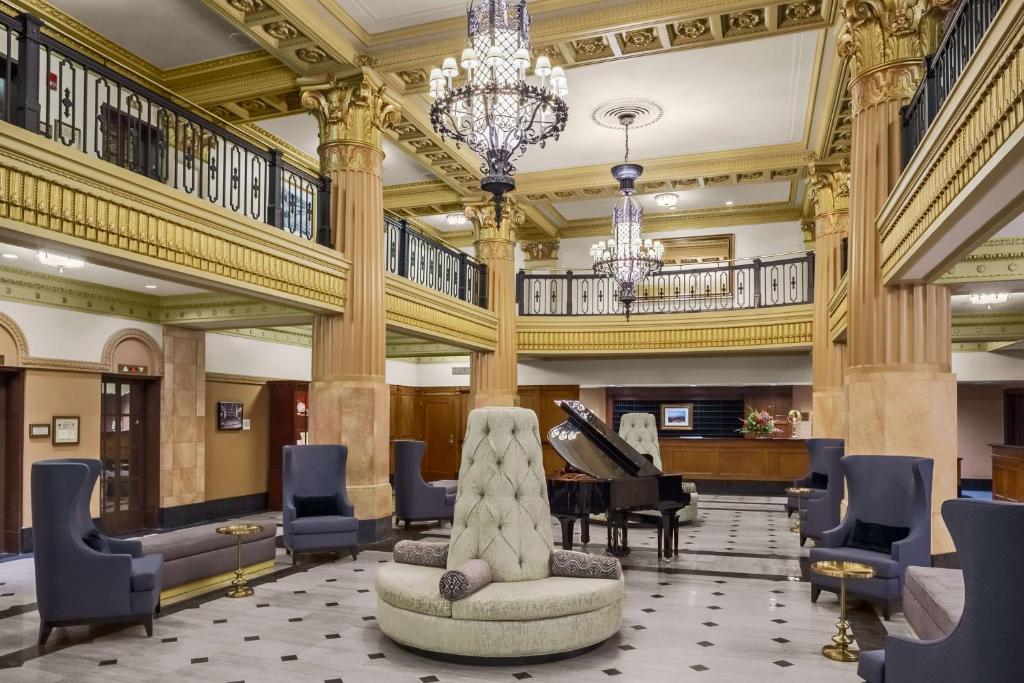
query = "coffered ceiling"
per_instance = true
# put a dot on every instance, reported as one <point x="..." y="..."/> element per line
<point x="378" y="16"/>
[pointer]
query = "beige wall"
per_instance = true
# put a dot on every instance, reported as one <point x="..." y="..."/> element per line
<point x="237" y="461"/>
<point x="595" y="398"/>
<point x="979" y="423"/>
<point x="49" y="393"/>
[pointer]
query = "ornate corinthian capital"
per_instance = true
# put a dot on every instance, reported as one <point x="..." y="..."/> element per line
<point x="830" y="194"/>
<point x="878" y="33"/>
<point x="484" y="228"/>
<point x="354" y="111"/>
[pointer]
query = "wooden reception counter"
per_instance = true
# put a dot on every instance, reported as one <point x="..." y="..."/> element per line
<point x="736" y="459"/>
<point x="1007" y="472"/>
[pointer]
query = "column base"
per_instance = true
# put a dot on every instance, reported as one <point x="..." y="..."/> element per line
<point x="375" y="530"/>
<point x="828" y="414"/>
<point x="903" y="411"/>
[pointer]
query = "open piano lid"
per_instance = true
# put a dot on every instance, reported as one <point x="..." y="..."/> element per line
<point x="588" y="445"/>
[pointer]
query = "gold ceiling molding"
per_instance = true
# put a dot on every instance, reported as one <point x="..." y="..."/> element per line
<point x="294" y="335"/>
<point x="998" y="259"/>
<point x="224" y="378"/>
<point x="986" y="347"/>
<point x="719" y="217"/>
<point x="838" y="129"/>
<point x="878" y="33"/>
<point x="982" y="112"/>
<point x="418" y="310"/>
<point x="427" y="198"/>
<point x="988" y="327"/>
<point x="838" y="310"/>
<point x="758" y="329"/>
<point x="48" y="191"/>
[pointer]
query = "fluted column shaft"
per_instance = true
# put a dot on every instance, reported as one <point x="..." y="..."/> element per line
<point x="349" y="398"/>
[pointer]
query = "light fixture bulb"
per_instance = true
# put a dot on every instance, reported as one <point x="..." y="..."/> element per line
<point x="11" y="256"/>
<point x="989" y="298"/>
<point x="58" y="261"/>
<point x="543" y="68"/>
<point x="470" y="60"/>
<point x="666" y="199"/>
<point x="456" y="219"/>
<point x="449" y="68"/>
<point x="521" y="59"/>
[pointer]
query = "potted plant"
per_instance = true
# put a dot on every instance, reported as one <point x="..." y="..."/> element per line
<point x="760" y="423"/>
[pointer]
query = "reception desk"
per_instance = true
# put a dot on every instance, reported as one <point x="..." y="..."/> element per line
<point x="769" y="460"/>
<point x="1007" y="472"/>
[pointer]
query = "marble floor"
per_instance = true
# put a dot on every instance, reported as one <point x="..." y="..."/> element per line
<point x="733" y="606"/>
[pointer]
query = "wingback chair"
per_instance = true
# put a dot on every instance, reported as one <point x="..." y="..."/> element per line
<point x="640" y="430"/>
<point x="816" y="448"/>
<point x="317" y="471"/>
<point x="501" y="517"/>
<point x="891" y="490"/>
<point x="986" y="644"/>
<point x="415" y="499"/>
<point x="821" y="514"/>
<point x="76" y="584"/>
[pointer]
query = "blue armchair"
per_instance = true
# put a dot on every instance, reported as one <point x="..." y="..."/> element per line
<point x="822" y="513"/>
<point x="415" y="499"/>
<point x="317" y="471"/>
<point x="816" y="448"/>
<point x="76" y="584"/>
<point x="884" y="489"/>
<point x="986" y="644"/>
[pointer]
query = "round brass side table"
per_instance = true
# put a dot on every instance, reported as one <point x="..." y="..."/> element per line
<point x="240" y="588"/>
<point x="798" y="492"/>
<point x="840" y="649"/>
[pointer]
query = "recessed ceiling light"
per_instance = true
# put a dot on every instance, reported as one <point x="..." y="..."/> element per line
<point x="58" y="261"/>
<point x="11" y="256"/>
<point x="729" y="203"/>
<point x="666" y="199"/>
<point x="456" y="219"/>
<point x="150" y="286"/>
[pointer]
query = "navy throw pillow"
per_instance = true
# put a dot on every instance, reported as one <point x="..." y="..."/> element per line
<point x="96" y="541"/>
<point x="876" y="537"/>
<point x="819" y="480"/>
<point x="316" y="506"/>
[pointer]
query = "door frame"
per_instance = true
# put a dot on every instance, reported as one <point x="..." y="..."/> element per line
<point x="12" y="460"/>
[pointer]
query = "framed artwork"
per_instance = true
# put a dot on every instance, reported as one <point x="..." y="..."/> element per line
<point x="66" y="430"/>
<point x="39" y="431"/>
<point x="229" y="415"/>
<point x="677" y="416"/>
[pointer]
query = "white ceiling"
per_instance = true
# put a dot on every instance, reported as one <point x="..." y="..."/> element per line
<point x="440" y="222"/>
<point x="376" y="16"/>
<point x="706" y="94"/>
<point x="1014" y="228"/>
<point x="698" y="198"/>
<point x="300" y="130"/>
<point x="166" y="33"/>
<point x="92" y="273"/>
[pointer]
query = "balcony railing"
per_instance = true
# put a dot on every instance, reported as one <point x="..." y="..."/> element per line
<point x="783" y="280"/>
<point x="411" y="254"/>
<point x="965" y="29"/>
<point x="52" y="89"/>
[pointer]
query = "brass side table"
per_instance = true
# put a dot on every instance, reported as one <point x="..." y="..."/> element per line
<point x="840" y="649"/>
<point x="798" y="492"/>
<point x="240" y="588"/>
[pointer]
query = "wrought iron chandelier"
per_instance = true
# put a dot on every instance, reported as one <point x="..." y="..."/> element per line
<point x="627" y="257"/>
<point x="497" y="112"/>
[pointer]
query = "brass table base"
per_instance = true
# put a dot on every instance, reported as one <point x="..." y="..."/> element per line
<point x="840" y="650"/>
<point x="240" y="588"/>
<point x="799" y="494"/>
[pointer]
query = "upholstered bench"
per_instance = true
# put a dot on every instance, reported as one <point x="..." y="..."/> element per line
<point x="198" y="558"/>
<point x="933" y="600"/>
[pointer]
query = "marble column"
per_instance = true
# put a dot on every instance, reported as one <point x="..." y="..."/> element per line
<point x="830" y="189"/>
<point x="901" y="392"/>
<point x="349" y="398"/>
<point x="182" y="416"/>
<point x="492" y="375"/>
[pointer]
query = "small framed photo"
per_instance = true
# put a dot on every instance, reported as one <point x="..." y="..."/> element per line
<point x="229" y="415"/>
<point x="677" y="416"/>
<point x="66" y="430"/>
<point x="39" y="431"/>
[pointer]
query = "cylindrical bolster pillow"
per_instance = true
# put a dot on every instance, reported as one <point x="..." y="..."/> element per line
<point x="584" y="565"/>
<point x="422" y="553"/>
<point x="467" y="579"/>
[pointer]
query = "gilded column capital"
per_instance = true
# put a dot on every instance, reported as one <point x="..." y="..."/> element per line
<point x="353" y="115"/>
<point x="885" y="41"/>
<point x="830" y="190"/>
<point x="491" y="240"/>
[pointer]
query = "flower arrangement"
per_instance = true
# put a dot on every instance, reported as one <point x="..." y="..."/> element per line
<point x="758" y="422"/>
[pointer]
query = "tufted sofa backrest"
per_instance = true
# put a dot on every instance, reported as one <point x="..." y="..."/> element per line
<point x="501" y="512"/>
<point x="640" y="430"/>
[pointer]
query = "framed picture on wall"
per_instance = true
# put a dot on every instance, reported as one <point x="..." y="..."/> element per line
<point x="229" y="415"/>
<point x="677" y="416"/>
<point x="65" y="430"/>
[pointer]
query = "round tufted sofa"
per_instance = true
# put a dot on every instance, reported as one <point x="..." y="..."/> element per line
<point x="640" y="430"/>
<point x="502" y="517"/>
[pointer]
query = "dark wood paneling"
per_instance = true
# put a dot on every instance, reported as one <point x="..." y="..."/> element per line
<point x="286" y="427"/>
<point x="541" y="400"/>
<point x="12" y="393"/>
<point x="739" y="459"/>
<point x="1008" y="473"/>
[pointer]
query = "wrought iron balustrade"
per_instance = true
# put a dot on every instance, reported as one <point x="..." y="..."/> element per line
<point x="965" y="29"/>
<point x="413" y="255"/>
<point x="730" y="285"/>
<point x="52" y="89"/>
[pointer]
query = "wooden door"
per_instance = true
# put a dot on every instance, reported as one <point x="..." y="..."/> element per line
<point x="12" y="427"/>
<point x="124" y="451"/>
<point x="440" y="429"/>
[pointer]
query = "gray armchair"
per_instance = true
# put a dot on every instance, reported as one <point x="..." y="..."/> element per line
<point x="985" y="645"/>
<point x="415" y="499"/>
<point x="317" y="471"/>
<point x="822" y="513"/>
<point x="76" y="584"/>
<point x="816" y="448"/>
<point x="884" y="489"/>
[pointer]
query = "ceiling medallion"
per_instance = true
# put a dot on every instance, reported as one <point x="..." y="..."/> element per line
<point x="590" y="47"/>
<point x="281" y="31"/>
<point x="311" y="55"/>
<point x="666" y="199"/>
<point x="693" y="29"/>
<point x="747" y="20"/>
<point x="248" y="6"/>
<point x="644" y="112"/>
<point x="641" y="38"/>
<point x="802" y="11"/>
<point x="497" y="112"/>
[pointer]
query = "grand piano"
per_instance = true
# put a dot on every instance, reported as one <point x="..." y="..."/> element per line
<point x="604" y="475"/>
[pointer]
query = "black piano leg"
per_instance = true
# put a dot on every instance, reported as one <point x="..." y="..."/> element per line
<point x="585" y="530"/>
<point x="625" y="534"/>
<point x="568" y="524"/>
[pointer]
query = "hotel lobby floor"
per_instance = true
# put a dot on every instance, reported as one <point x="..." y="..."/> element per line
<point x="733" y="606"/>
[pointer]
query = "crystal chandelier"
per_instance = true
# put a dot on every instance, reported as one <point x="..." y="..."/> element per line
<point x="627" y="258"/>
<point x="496" y="112"/>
